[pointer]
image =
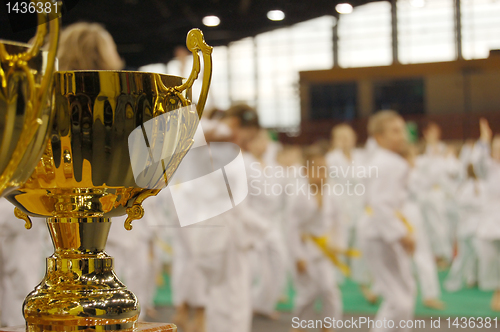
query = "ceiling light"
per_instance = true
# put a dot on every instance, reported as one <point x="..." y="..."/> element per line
<point x="344" y="8"/>
<point x="417" y="3"/>
<point x="211" y="21"/>
<point x="275" y="15"/>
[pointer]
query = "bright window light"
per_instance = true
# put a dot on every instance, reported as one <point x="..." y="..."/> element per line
<point x="417" y="3"/>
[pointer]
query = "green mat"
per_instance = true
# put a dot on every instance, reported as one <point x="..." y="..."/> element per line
<point x="469" y="302"/>
<point x="164" y="292"/>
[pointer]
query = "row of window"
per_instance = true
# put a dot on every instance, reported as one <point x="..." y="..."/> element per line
<point x="339" y="101"/>
<point x="264" y="71"/>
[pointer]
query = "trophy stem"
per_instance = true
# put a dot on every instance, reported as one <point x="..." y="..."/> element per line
<point x="80" y="290"/>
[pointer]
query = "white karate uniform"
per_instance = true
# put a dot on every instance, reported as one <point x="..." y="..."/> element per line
<point x="305" y="218"/>
<point x="186" y="240"/>
<point x="21" y="262"/>
<point x="488" y="228"/>
<point x="351" y="206"/>
<point x="423" y="258"/>
<point x="456" y="175"/>
<point x="190" y="290"/>
<point x="381" y="232"/>
<point x="269" y="259"/>
<point x="433" y="203"/>
<point x="223" y="255"/>
<point x="370" y="148"/>
<point x="471" y="202"/>
<point x="220" y="248"/>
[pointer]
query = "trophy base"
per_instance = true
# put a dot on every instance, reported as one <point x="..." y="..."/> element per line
<point x="80" y="290"/>
<point x="141" y="327"/>
<point x="76" y="324"/>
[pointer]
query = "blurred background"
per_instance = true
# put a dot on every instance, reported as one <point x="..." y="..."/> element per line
<point x="306" y="65"/>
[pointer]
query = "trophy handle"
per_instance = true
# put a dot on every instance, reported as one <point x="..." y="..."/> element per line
<point x="195" y="42"/>
<point x="37" y="95"/>
<point x="136" y="211"/>
<point x="21" y="215"/>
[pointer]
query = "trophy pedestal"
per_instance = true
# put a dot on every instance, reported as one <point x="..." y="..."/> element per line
<point x="141" y="327"/>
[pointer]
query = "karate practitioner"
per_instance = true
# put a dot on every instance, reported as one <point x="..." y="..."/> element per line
<point x="189" y="285"/>
<point x="222" y="248"/>
<point x="456" y="172"/>
<point x="471" y="198"/>
<point x="433" y="203"/>
<point x="423" y="258"/>
<point x="387" y="240"/>
<point x="488" y="231"/>
<point x="344" y="157"/>
<point x="189" y="293"/>
<point x="314" y="215"/>
<point x="291" y="159"/>
<point x="266" y="198"/>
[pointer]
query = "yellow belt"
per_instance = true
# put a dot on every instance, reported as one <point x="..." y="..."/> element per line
<point x="322" y="243"/>
<point x="399" y="215"/>
<point x="165" y="247"/>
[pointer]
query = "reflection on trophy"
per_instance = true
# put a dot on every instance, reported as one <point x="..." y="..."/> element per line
<point x="25" y="112"/>
<point x="85" y="176"/>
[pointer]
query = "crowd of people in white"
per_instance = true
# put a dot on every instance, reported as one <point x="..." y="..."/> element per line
<point x="419" y="213"/>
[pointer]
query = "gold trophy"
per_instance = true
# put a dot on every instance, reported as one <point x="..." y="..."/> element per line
<point x="85" y="177"/>
<point x="25" y="112"/>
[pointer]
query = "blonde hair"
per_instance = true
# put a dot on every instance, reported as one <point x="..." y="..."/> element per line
<point x="376" y="123"/>
<point x="87" y="46"/>
<point x="340" y="127"/>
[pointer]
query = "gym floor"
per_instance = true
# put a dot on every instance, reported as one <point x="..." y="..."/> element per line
<point x="284" y="323"/>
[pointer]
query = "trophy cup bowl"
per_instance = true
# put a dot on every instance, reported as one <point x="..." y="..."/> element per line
<point x="86" y="176"/>
<point x="25" y="112"/>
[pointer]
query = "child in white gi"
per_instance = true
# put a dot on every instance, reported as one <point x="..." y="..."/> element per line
<point x="266" y="189"/>
<point x="387" y="240"/>
<point x="423" y="258"/>
<point x="346" y="159"/>
<point x="434" y="203"/>
<point x="488" y="231"/>
<point x="312" y="215"/>
<point x="471" y="199"/>
<point x="223" y="248"/>
<point x="188" y="293"/>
